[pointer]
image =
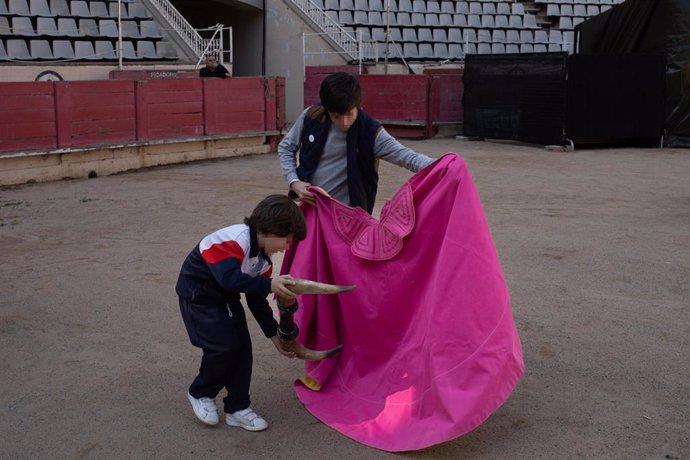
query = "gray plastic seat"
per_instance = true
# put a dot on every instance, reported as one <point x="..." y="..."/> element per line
<point x="455" y="51"/>
<point x="362" y="5"/>
<point x="165" y="50"/>
<point x="40" y="49"/>
<point x="137" y="10"/>
<point x="503" y="8"/>
<point x="567" y="10"/>
<point x="149" y="29"/>
<point x="473" y="20"/>
<point x="484" y="35"/>
<point x="498" y="48"/>
<point x="469" y="35"/>
<point x="20" y="8"/>
<point x="489" y="8"/>
<point x="476" y="8"/>
<point x="99" y="10"/>
<point x="17" y="49"/>
<point x="552" y="9"/>
<point x="68" y="27"/>
<point x="360" y="17"/>
<point x="488" y="21"/>
<point x="515" y="21"/>
<point x="105" y="49"/>
<point x="410" y="51"/>
<point x="460" y="20"/>
<point x="377" y="5"/>
<point x="501" y="21"/>
<point x="344" y="18"/>
<point x="592" y="10"/>
<point x="565" y="23"/>
<point x="22" y="26"/>
<point x="332" y="5"/>
<point x="3" y="52"/>
<point x="455" y="35"/>
<point x="441" y="51"/>
<point x="445" y="20"/>
<point x="432" y="6"/>
<point x="541" y="36"/>
<point x="462" y="7"/>
<point x="40" y="8"/>
<point x="130" y="29"/>
<point x="425" y="51"/>
<point x="431" y="19"/>
<point x="128" y="51"/>
<point x="498" y="36"/>
<point x="146" y="50"/>
<point x="529" y="21"/>
<point x="112" y="9"/>
<point x="512" y="48"/>
<point x="46" y="26"/>
<point x="470" y="48"/>
<point x="59" y="8"/>
<point x="513" y="36"/>
<point x="396" y="35"/>
<point x="540" y="48"/>
<point x="555" y="36"/>
<point x="403" y="19"/>
<point x="440" y="35"/>
<point x="517" y="8"/>
<point x="83" y="49"/>
<point x="3" y="10"/>
<point x="88" y="28"/>
<point x="483" y="48"/>
<point x="527" y="48"/>
<point x="418" y="19"/>
<point x="80" y="9"/>
<point x="447" y="7"/>
<point x="526" y="36"/>
<point x="424" y="35"/>
<point x="375" y="18"/>
<point x="418" y="6"/>
<point x="405" y="5"/>
<point x="5" y="28"/>
<point x="555" y="48"/>
<point x="378" y="34"/>
<point x="409" y="35"/>
<point x="107" y="28"/>
<point x="62" y="49"/>
<point x="347" y="5"/>
<point x="364" y="33"/>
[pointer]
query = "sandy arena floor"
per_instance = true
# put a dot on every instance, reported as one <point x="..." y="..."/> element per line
<point x="595" y="246"/>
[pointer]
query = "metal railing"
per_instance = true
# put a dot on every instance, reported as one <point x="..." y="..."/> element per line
<point x="354" y="48"/>
<point x="199" y="45"/>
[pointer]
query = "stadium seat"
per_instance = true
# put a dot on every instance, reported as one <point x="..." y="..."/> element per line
<point x="526" y="36"/>
<point x="3" y="11"/>
<point x="418" y="19"/>
<point x="439" y="36"/>
<point x="20" y="8"/>
<point x="378" y="34"/>
<point x="424" y="35"/>
<point x="462" y="7"/>
<point x="555" y="48"/>
<point x="99" y="10"/>
<point x="128" y="51"/>
<point x="455" y="51"/>
<point x="503" y="8"/>
<point x="552" y="9"/>
<point x="17" y="49"/>
<point x="483" y="48"/>
<point x="426" y="51"/>
<point x="410" y="50"/>
<point x="108" y="28"/>
<point x="541" y="36"/>
<point x="88" y="28"/>
<point x="375" y="18"/>
<point x="447" y="7"/>
<point x="527" y="48"/>
<point x="488" y="21"/>
<point x="146" y="50"/>
<point x="22" y="26"/>
<point x="515" y="21"/>
<point x="68" y="27"/>
<point x="40" y="8"/>
<point x="362" y="5"/>
<point x="455" y="35"/>
<point x="409" y="35"/>
<point x="149" y="29"/>
<point x="513" y="36"/>
<point x="138" y="11"/>
<point x="470" y="48"/>
<point x="555" y="36"/>
<point x="473" y="20"/>
<point x="445" y="19"/>
<point x="80" y="9"/>
<point x="517" y="8"/>
<point x="105" y="49"/>
<point x="432" y="6"/>
<point x="40" y="49"/>
<point x="460" y="20"/>
<point x="498" y="36"/>
<point x="112" y="9"/>
<point x="84" y="50"/>
<point x="344" y="18"/>
<point x="441" y="51"/>
<point x="405" y="5"/>
<point x="46" y="26"/>
<point x="62" y="49"/>
<point x="431" y="19"/>
<point x="540" y="48"/>
<point x="348" y="5"/>
<point x="363" y="33"/>
<point x="565" y="23"/>
<point x="498" y="48"/>
<point x="489" y="8"/>
<point x="377" y="5"/>
<point x="59" y="8"/>
<point x="484" y="36"/>
<point x="501" y="21"/>
<point x="130" y="29"/>
<point x="476" y="8"/>
<point x="418" y="6"/>
<point x="529" y="21"/>
<point x="512" y="48"/>
<point x="360" y="17"/>
<point x="5" y="28"/>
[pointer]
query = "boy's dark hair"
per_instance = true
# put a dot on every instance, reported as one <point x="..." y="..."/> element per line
<point x="279" y="216"/>
<point x="340" y="92"/>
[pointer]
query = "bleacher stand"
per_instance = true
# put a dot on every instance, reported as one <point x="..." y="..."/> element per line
<point x="432" y="30"/>
<point x="80" y="30"/>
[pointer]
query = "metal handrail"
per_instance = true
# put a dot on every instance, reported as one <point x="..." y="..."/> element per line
<point x="189" y="34"/>
<point x="348" y="42"/>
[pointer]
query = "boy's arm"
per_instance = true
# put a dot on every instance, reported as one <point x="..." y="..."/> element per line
<point x="263" y="313"/>
<point x="287" y="150"/>
<point x="389" y="149"/>
<point x="229" y="275"/>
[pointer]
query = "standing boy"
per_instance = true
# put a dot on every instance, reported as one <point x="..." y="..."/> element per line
<point x="339" y="146"/>
<point x="230" y="261"/>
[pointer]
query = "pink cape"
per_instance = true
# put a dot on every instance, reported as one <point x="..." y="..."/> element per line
<point x="430" y="349"/>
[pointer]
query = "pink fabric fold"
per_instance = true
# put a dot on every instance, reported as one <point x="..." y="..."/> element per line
<point x="430" y="349"/>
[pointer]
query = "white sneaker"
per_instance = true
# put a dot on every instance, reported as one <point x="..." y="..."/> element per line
<point x="205" y="409"/>
<point x="247" y="419"/>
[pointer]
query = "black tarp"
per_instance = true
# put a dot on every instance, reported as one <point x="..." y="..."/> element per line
<point x="649" y="27"/>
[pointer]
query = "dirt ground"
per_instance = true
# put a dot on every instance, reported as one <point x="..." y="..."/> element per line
<point x="595" y="246"/>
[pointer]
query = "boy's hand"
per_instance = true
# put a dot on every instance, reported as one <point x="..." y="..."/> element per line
<point x="278" y="287"/>
<point x="279" y="347"/>
<point x="300" y="188"/>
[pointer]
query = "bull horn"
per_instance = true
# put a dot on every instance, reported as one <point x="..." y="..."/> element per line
<point x="306" y="354"/>
<point x="303" y="286"/>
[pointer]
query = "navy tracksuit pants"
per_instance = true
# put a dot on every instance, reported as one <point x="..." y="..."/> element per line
<point x="221" y="332"/>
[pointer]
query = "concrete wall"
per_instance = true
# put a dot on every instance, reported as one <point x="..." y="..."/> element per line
<point x="76" y="72"/>
<point x="284" y="53"/>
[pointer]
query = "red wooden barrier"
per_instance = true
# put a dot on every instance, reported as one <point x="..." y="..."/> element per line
<point x="169" y="109"/>
<point x="27" y="116"/>
<point x="235" y="105"/>
<point x="94" y="113"/>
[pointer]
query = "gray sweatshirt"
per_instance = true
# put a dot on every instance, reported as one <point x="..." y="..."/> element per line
<point x="331" y="173"/>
